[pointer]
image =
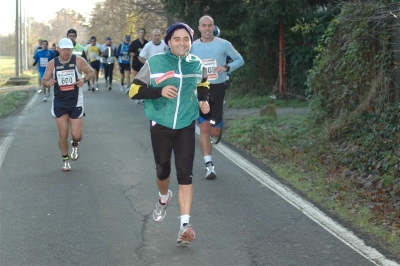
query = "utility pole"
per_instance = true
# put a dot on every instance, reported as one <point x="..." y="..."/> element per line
<point x="16" y="39"/>
<point x="17" y="80"/>
<point x="20" y="39"/>
<point x="25" y="43"/>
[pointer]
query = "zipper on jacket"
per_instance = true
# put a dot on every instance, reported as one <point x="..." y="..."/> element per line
<point x="179" y="93"/>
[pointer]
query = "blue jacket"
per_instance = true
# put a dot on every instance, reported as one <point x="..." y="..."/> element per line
<point x="123" y="53"/>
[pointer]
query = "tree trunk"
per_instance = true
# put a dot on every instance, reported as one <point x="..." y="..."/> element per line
<point x="281" y="60"/>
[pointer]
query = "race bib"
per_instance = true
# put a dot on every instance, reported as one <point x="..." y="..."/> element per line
<point x="94" y="56"/>
<point x="125" y="57"/>
<point x="110" y="60"/>
<point x="43" y="61"/>
<point x="210" y="65"/>
<point x="66" y="79"/>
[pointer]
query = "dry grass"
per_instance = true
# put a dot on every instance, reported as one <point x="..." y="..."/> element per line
<point x="7" y="71"/>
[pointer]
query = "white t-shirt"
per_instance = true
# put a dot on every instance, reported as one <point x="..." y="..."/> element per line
<point x="151" y="49"/>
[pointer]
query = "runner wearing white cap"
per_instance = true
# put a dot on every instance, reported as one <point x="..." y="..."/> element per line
<point x="65" y="74"/>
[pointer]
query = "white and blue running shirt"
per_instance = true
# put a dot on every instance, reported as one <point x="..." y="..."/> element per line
<point x="214" y="54"/>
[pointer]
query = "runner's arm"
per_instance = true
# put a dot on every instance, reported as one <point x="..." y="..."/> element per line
<point x="140" y="86"/>
<point x="237" y="59"/>
<point x="48" y="79"/>
<point x="84" y="66"/>
<point x="84" y="55"/>
<point x="35" y="59"/>
<point x="118" y="51"/>
<point x="203" y="88"/>
<point x="131" y="50"/>
<point x="143" y="54"/>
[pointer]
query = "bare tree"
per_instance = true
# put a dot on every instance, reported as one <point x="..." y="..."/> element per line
<point x="64" y="20"/>
<point x="109" y="18"/>
<point x="117" y="18"/>
<point x="7" y="45"/>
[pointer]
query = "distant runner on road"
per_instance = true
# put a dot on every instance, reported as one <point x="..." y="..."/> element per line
<point x="214" y="51"/>
<point x="42" y="57"/>
<point x="65" y="74"/>
<point x="124" y="62"/>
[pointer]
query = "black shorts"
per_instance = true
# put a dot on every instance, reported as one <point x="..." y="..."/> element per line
<point x="95" y="65"/>
<point x="124" y="67"/>
<point x="216" y="101"/>
<point x="182" y="142"/>
<point x="137" y="66"/>
<point x="73" y="112"/>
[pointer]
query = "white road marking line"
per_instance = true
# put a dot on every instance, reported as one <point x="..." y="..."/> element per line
<point x="343" y="234"/>
<point x="6" y="143"/>
<point x="4" y="147"/>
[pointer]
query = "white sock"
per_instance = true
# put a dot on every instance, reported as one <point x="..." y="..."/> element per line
<point x="164" y="198"/>
<point x="207" y="158"/>
<point x="185" y="219"/>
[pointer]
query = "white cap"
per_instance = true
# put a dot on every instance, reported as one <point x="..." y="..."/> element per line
<point x="65" y="43"/>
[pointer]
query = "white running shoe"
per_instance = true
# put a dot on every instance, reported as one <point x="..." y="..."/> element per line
<point x="186" y="235"/>
<point x="74" y="152"/>
<point x="66" y="166"/>
<point x="39" y="91"/>
<point x="160" y="209"/>
<point x="45" y="99"/>
<point x="210" y="171"/>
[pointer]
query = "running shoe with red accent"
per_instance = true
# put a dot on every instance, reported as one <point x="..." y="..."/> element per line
<point x="160" y="209"/>
<point x="186" y="235"/>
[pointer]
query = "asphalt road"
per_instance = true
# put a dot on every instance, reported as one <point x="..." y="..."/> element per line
<point x="100" y="212"/>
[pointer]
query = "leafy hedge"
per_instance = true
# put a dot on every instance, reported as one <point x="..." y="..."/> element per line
<point x="352" y="91"/>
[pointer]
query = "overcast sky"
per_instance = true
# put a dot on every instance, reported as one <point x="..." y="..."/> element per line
<point x="41" y="10"/>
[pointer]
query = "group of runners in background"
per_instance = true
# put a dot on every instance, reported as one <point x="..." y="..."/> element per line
<point x="166" y="73"/>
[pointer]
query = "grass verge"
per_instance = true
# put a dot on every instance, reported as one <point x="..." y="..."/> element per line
<point x="299" y="152"/>
<point x="7" y="70"/>
<point x="257" y="102"/>
<point x="11" y="101"/>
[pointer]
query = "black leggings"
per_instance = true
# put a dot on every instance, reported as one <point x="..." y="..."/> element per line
<point x="108" y="72"/>
<point x="182" y="141"/>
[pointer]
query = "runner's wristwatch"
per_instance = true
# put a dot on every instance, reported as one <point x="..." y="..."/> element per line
<point x="227" y="68"/>
<point x="85" y="80"/>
